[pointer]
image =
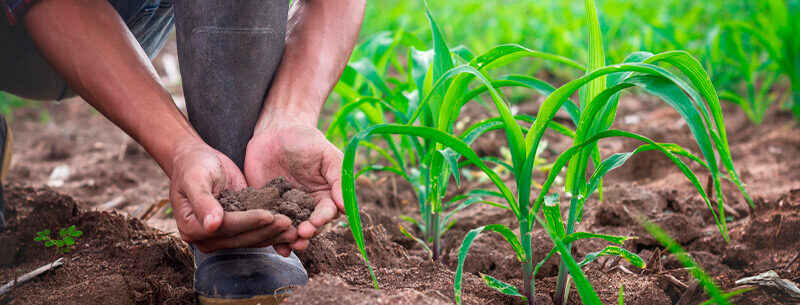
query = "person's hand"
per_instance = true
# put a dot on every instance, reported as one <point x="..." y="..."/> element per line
<point x="199" y="173"/>
<point x="300" y="153"/>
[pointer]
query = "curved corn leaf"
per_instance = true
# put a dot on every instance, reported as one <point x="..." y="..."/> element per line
<point x="706" y="281"/>
<point x="467" y="243"/>
<point x="572" y="237"/>
<point x="566" y="155"/>
<point x="416" y="239"/>
<point x="616" y="251"/>
<point x="348" y="175"/>
<point x="584" y="287"/>
<point x="500" y="286"/>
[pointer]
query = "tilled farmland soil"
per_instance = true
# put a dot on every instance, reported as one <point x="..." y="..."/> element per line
<point x="122" y="260"/>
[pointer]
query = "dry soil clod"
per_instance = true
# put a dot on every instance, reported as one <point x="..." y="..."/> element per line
<point x="277" y="196"/>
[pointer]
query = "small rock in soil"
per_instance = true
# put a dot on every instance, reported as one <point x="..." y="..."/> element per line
<point x="277" y="196"/>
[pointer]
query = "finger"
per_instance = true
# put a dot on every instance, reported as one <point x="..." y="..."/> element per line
<point x="333" y="175"/>
<point x="279" y="231"/>
<point x="234" y="223"/>
<point x="324" y="212"/>
<point x="300" y="244"/>
<point x="197" y="187"/>
<point x="189" y="227"/>
<point x="283" y="249"/>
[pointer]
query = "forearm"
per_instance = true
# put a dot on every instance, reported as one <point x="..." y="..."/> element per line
<point x="320" y="37"/>
<point x="90" y="46"/>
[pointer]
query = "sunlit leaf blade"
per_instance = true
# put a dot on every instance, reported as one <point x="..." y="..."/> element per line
<point x="706" y="281"/>
<point x="414" y="238"/>
<point x="501" y="286"/>
<point x="615" y="251"/>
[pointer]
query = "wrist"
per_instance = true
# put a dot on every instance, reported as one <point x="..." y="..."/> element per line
<point x="179" y="148"/>
<point x="274" y="117"/>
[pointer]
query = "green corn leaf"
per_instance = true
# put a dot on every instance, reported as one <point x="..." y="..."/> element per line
<point x="419" y="61"/>
<point x="572" y="237"/>
<point x="699" y="78"/>
<point x="584" y="235"/>
<point x="463" y="52"/>
<point x="566" y="155"/>
<point x="615" y="251"/>
<point x="552" y="213"/>
<point x="348" y="175"/>
<point x="502" y="287"/>
<point x="370" y="72"/>
<point x="729" y="295"/>
<point x="442" y="61"/>
<point x="508" y="53"/>
<point x="621" y="295"/>
<point x="467" y="243"/>
<point x="380" y="168"/>
<point x="706" y="281"/>
<point x="414" y="238"/>
<point x="582" y="284"/>
<point x="452" y="160"/>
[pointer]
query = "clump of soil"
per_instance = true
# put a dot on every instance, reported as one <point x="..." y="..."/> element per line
<point x="277" y="196"/>
<point x="118" y="260"/>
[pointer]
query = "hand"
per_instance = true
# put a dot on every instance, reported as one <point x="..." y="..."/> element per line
<point x="300" y="153"/>
<point x="198" y="174"/>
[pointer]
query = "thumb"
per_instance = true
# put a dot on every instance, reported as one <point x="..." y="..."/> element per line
<point x="206" y="208"/>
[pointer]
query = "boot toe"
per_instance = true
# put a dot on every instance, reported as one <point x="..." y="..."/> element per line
<point x="248" y="275"/>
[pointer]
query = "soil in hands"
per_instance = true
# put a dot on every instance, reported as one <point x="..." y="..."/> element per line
<point x="277" y="196"/>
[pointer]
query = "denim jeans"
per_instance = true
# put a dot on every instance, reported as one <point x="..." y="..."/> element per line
<point x="24" y="72"/>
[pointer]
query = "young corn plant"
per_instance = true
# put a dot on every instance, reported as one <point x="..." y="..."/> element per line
<point x="762" y="51"/>
<point x="417" y="99"/>
<point x="687" y="89"/>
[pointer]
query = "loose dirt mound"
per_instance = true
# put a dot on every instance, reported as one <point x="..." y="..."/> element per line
<point x="118" y="260"/>
<point x="277" y="196"/>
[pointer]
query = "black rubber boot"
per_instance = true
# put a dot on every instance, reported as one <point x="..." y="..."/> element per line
<point x="5" y="152"/>
<point x="228" y="52"/>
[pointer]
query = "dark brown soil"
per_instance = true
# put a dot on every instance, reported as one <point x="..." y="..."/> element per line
<point x="118" y="260"/>
<point x="277" y="196"/>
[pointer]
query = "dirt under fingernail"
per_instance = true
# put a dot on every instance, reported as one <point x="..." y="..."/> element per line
<point x="278" y="196"/>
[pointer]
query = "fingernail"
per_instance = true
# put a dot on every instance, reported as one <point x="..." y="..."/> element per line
<point x="209" y="220"/>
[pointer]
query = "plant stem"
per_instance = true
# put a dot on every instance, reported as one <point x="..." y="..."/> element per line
<point x="437" y="238"/>
<point x="561" y="285"/>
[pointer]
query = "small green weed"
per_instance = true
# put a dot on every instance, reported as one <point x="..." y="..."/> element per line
<point x="65" y="241"/>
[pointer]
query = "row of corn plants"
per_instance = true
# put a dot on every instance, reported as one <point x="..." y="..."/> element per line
<point x="425" y="100"/>
<point x="761" y="53"/>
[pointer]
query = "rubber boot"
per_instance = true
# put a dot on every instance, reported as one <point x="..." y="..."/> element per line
<point x="228" y="53"/>
<point x="5" y="153"/>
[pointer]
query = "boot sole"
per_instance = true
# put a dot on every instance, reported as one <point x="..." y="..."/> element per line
<point x="256" y="300"/>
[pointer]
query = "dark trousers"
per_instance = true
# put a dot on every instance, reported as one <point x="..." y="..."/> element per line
<point x="228" y="52"/>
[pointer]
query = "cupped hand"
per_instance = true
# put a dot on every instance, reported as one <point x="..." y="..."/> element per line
<point x="199" y="173"/>
<point x="303" y="155"/>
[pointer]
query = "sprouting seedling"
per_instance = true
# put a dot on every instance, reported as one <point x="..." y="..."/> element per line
<point x="65" y="241"/>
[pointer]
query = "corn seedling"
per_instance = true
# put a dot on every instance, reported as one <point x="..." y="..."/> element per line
<point x="417" y="99"/>
<point x="687" y="89"/>
<point x="761" y="50"/>
<point x="64" y="242"/>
